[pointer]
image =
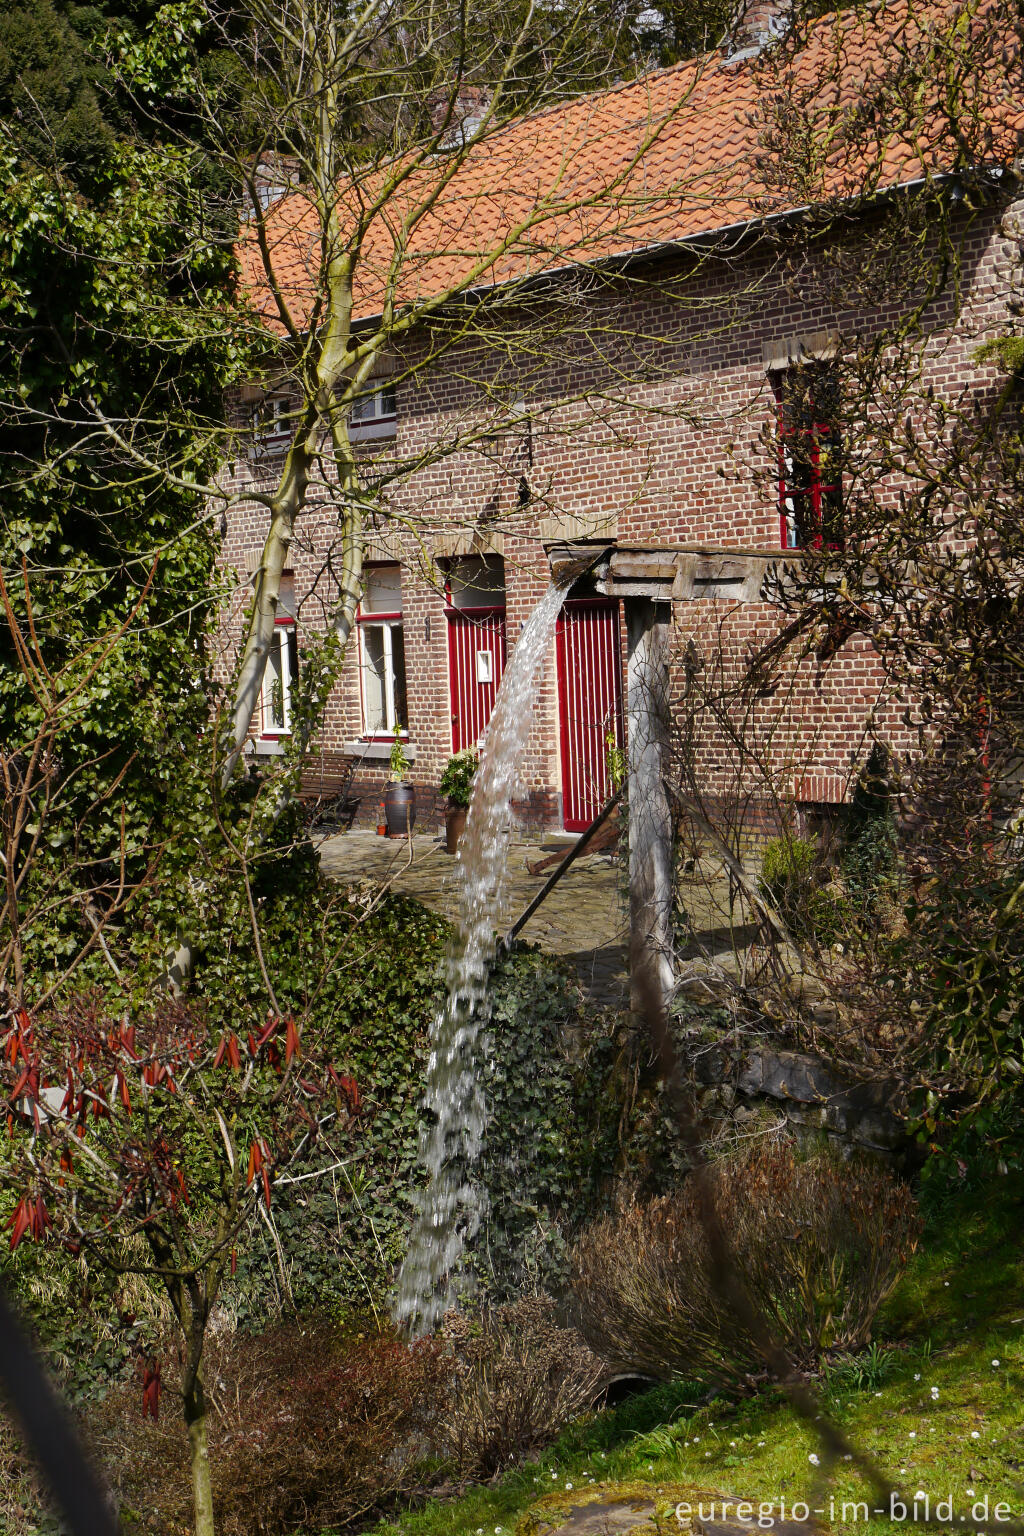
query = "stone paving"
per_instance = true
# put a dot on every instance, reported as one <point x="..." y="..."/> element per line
<point x="584" y="919"/>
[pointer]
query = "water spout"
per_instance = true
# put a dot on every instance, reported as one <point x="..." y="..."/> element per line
<point x="452" y="1205"/>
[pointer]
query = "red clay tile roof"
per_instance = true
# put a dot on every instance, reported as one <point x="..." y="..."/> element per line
<point x="676" y="154"/>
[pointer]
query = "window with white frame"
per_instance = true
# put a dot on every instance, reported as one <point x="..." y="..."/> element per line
<point x="382" y="651"/>
<point x="272" y="422"/>
<point x="282" y="672"/>
<point x="375" y="415"/>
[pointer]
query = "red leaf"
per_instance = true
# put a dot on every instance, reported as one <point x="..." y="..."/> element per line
<point x="121" y="1087"/>
<point x="291" y="1042"/>
<point x="40" y="1219"/>
<point x="218" y="1059"/>
<point x="151" y="1389"/>
<point x="270" y="1028"/>
<point x="234" y="1055"/>
<point x="252" y="1044"/>
<point x="266" y="1186"/>
<point x="234" y="1260"/>
<point x="20" y="1222"/>
<point x="350" y="1089"/>
<point x="255" y="1161"/>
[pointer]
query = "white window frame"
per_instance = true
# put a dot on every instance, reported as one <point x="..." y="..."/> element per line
<point x="387" y="620"/>
<point x="388" y="624"/>
<point x="271" y="436"/>
<point x="286" y="642"/>
<point x="377" y="415"/>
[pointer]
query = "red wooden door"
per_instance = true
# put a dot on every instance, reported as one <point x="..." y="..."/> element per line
<point x="589" y="705"/>
<point x="476" y="661"/>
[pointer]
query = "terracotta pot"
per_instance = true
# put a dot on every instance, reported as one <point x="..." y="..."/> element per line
<point x="399" y="808"/>
<point x="454" y="825"/>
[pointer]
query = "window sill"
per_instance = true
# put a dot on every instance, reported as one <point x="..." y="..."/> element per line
<point x="377" y="751"/>
<point x="372" y="431"/>
<point x="271" y="746"/>
<point x="270" y="447"/>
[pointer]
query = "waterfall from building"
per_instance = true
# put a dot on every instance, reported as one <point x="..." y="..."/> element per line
<point x="452" y="1204"/>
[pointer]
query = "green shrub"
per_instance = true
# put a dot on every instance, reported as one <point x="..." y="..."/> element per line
<point x="817" y="1245"/>
<point x="457" y="777"/>
<point x="793" y="879"/>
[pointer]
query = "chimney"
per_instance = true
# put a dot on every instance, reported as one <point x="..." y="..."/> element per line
<point x="467" y="112"/>
<point x="275" y="176"/>
<point x="756" y="24"/>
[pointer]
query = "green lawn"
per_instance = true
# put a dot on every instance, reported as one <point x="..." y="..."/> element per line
<point x="938" y="1405"/>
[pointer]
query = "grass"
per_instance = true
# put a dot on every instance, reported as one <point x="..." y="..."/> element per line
<point x="935" y="1404"/>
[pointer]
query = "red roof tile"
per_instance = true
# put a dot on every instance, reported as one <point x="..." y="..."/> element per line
<point x="676" y="154"/>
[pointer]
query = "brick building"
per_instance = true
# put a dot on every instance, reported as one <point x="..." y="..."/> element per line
<point x="671" y="407"/>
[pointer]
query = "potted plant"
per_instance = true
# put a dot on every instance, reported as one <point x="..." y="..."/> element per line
<point x="457" y="784"/>
<point x="399" y="795"/>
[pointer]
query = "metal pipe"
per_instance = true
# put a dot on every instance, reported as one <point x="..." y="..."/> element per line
<point x="570" y="858"/>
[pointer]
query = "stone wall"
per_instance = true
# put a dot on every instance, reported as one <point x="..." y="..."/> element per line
<point x="809" y="1092"/>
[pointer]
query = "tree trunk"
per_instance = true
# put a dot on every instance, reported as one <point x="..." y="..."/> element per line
<point x="202" y="1486"/>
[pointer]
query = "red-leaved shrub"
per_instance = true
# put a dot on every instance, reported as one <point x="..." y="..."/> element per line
<point x="816" y="1243"/>
<point x="519" y="1375"/>
<point x="309" y="1426"/>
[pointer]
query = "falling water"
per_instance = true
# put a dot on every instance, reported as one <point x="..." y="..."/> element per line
<point x="452" y="1206"/>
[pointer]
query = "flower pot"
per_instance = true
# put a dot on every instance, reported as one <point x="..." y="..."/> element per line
<point x="399" y="808"/>
<point x="454" y="825"/>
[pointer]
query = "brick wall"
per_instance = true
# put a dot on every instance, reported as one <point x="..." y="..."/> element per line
<point x="650" y="403"/>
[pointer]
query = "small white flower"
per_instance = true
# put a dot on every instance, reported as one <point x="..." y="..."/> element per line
<point x="569" y="1487"/>
<point x="920" y="1494"/>
<point x="917" y="1375"/>
<point x="760" y="1442"/>
<point x="946" y="1283"/>
<point x="975" y="1435"/>
<point x="707" y="1453"/>
<point x="935" y="1394"/>
<point x="913" y="1434"/>
<point x="733" y="1444"/>
<point x="996" y="1364"/>
<point x="878" y="1394"/>
<point x="696" y="1439"/>
<point x="970" y="1493"/>
<point x="813" y="1460"/>
<point x="848" y="1457"/>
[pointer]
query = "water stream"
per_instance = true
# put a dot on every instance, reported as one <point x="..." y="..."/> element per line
<point x="452" y="1205"/>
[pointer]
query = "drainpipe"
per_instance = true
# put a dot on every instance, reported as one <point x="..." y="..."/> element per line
<point x="648" y="625"/>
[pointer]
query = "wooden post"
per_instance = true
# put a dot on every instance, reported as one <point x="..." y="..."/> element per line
<point x="650" y="823"/>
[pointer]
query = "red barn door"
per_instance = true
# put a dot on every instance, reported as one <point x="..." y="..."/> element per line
<point x="589" y="704"/>
<point x="476" y="661"/>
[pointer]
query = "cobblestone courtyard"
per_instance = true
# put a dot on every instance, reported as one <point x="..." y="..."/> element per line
<point x="584" y="919"/>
